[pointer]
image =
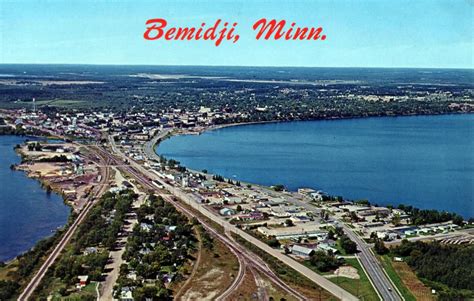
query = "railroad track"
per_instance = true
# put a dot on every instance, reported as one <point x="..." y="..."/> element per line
<point x="238" y="279"/>
<point x="36" y="280"/>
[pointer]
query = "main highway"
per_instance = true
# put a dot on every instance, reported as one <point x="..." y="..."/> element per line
<point x="380" y="280"/>
<point x="382" y="284"/>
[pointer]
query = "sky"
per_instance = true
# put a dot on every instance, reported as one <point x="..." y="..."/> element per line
<point x="375" y="33"/>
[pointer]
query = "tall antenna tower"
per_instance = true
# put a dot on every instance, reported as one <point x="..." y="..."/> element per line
<point x="34" y="105"/>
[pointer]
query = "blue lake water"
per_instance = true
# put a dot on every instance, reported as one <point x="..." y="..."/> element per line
<point x="424" y="161"/>
<point x="27" y="212"/>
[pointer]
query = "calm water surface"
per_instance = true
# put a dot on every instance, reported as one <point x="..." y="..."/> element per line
<point x="27" y="212"/>
<point x="424" y="161"/>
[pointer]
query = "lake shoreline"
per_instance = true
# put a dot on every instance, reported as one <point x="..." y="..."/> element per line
<point x="201" y="130"/>
<point x="43" y="184"/>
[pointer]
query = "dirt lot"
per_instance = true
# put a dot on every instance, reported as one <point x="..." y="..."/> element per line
<point x="216" y="272"/>
<point x="347" y="271"/>
<point x="418" y="289"/>
<point x="247" y="290"/>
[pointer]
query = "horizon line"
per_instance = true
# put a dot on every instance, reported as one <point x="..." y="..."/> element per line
<point x="235" y="66"/>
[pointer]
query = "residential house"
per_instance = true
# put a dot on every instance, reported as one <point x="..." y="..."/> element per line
<point x="83" y="281"/>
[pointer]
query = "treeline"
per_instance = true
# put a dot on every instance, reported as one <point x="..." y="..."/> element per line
<point x="8" y="130"/>
<point x="28" y="261"/>
<point x="171" y="163"/>
<point x="8" y="289"/>
<point x="56" y="158"/>
<point x="327" y="261"/>
<point x="349" y="246"/>
<point x="218" y="178"/>
<point x="34" y="146"/>
<point x="451" y="265"/>
<point x="423" y="216"/>
<point x="72" y="265"/>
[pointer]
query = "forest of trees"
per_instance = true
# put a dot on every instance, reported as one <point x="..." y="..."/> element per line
<point x="100" y="228"/>
<point x="451" y="265"/>
<point x="283" y="100"/>
<point x="8" y="289"/>
<point x="55" y="158"/>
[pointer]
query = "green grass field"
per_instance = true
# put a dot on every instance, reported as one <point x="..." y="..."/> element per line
<point x="341" y="250"/>
<point x="362" y="287"/>
<point x="87" y="293"/>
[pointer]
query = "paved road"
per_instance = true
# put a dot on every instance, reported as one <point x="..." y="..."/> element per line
<point x="370" y="263"/>
<point x="115" y="256"/>
<point x="149" y="147"/>
<point x="36" y="280"/>
<point x="381" y="282"/>
<point x="310" y="274"/>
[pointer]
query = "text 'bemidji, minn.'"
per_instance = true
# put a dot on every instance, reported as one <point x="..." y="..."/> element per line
<point x="224" y="31"/>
